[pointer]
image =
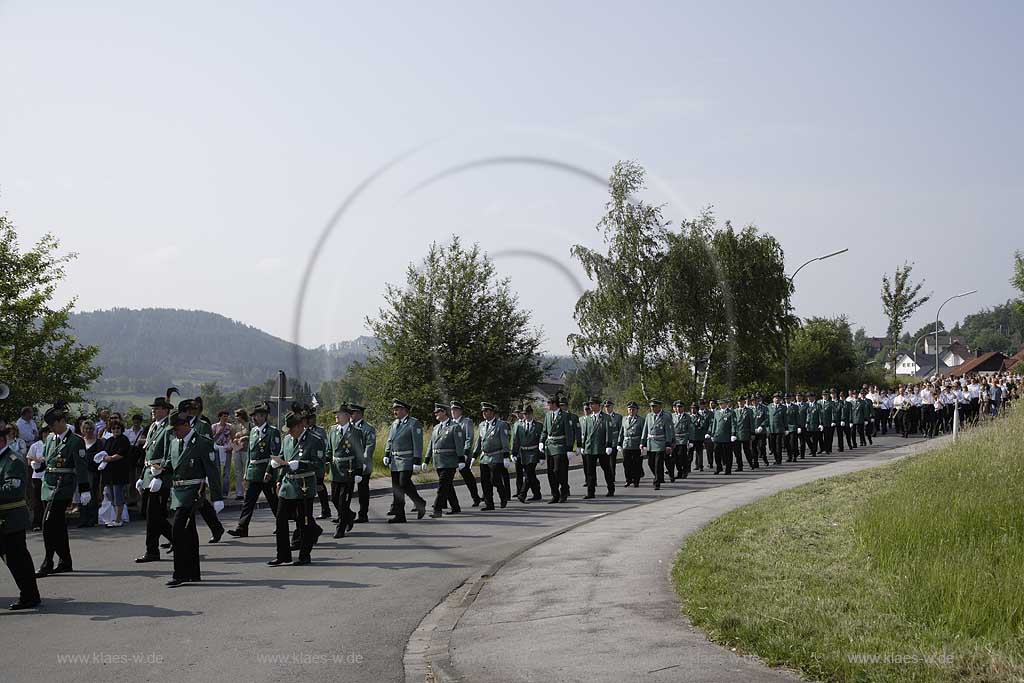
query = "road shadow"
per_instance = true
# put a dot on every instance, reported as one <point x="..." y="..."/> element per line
<point x="104" y="611"/>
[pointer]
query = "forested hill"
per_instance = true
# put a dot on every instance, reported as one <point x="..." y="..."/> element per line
<point x="144" y="351"/>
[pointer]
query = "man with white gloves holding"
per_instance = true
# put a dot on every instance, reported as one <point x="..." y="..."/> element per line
<point x="403" y="453"/>
<point x="67" y="470"/>
<point x="723" y="434"/>
<point x="190" y="462"/>
<point x="297" y="465"/>
<point x="153" y="484"/>
<point x="596" y="441"/>
<point x="493" y="450"/>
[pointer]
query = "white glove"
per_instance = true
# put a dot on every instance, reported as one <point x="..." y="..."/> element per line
<point x="155" y="485"/>
<point x="98" y="458"/>
<point x="156" y="470"/>
<point x="358" y="479"/>
<point x="507" y="463"/>
<point x="821" y="428"/>
<point x="416" y="468"/>
<point x="218" y="505"/>
<point x="799" y="430"/>
<point x="462" y="465"/>
<point x="732" y="438"/>
<point x="707" y="437"/>
<point x="541" y="446"/>
<point x="293" y="465"/>
<point x="275" y="464"/>
<point x="38" y="465"/>
<point x="85" y="498"/>
<point x="643" y="450"/>
<point x="608" y="451"/>
<point x="842" y="424"/>
<point x="833" y="424"/>
<point x="16" y="483"/>
<point x="102" y="466"/>
<point x="759" y="430"/>
<point x="471" y="461"/>
<point x="387" y="461"/>
<point x="138" y="486"/>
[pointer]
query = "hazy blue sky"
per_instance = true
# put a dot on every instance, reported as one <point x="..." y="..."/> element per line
<point x="193" y="148"/>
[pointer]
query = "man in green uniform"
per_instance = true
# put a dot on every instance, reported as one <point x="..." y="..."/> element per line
<point x="296" y="490"/>
<point x="723" y="435"/>
<point x="682" y="423"/>
<point x="264" y="443"/>
<point x="793" y="429"/>
<point x="813" y="426"/>
<point x="447" y="448"/>
<point x="760" y="439"/>
<point x="777" y="427"/>
<point x="801" y="424"/>
<point x="67" y="470"/>
<point x="526" y="454"/>
<point x="403" y="453"/>
<point x="370" y="446"/>
<point x="596" y="443"/>
<point x="492" y="450"/>
<point x="744" y="433"/>
<point x="191" y="463"/>
<point x="826" y="412"/>
<point x="838" y="426"/>
<point x="557" y="440"/>
<point x="322" y="469"/>
<point x="657" y="439"/>
<point x="630" y="443"/>
<point x="346" y="450"/>
<point x="154" y="485"/>
<point x="14" y="479"/>
<point x="614" y="427"/>
<point x="458" y="413"/>
<point x="193" y="408"/>
<point x="701" y="427"/>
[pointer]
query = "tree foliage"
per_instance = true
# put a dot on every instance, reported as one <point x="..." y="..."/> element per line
<point x="39" y="357"/>
<point x="623" y="321"/>
<point x="454" y="331"/>
<point x="1018" y="279"/>
<point x="900" y="299"/>
<point x="822" y="353"/>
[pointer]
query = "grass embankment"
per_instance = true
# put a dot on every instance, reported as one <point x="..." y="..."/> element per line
<point x="908" y="572"/>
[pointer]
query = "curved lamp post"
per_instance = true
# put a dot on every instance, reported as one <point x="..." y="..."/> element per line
<point x="817" y="258"/>
<point x="955" y="296"/>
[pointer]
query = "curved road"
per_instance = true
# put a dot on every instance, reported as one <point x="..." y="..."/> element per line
<point x="347" y="617"/>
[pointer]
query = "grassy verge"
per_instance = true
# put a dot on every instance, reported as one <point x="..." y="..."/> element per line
<point x="908" y="572"/>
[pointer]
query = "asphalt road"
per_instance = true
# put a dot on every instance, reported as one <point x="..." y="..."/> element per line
<point x="346" y="617"/>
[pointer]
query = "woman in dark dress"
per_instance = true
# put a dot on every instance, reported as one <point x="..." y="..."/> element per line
<point x="115" y="470"/>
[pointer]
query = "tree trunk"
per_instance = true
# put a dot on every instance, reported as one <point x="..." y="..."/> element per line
<point x="707" y="374"/>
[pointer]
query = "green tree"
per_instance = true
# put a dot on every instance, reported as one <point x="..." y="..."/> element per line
<point x="1018" y="279"/>
<point x="900" y="298"/>
<point x="728" y="297"/>
<point x="455" y="330"/>
<point x="39" y="357"/>
<point x="623" y="320"/>
<point x="821" y="353"/>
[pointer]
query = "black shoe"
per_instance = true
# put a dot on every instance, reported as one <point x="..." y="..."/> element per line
<point x="537" y="497"/>
<point x="477" y="501"/>
<point x="611" y="492"/>
<point x="324" y="515"/>
<point x="25" y="604"/>
<point x="588" y="496"/>
<point x="728" y="472"/>
<point x="454" y="512"/>
<point x="147" y="558"/>
<point x="295" y="546"/>
<point x="339" y="532"/>
<point x="553" y="501"/>
<point x="421" y="509"/>
<point x="44" y="571"/>
<point x="316" y="533"/>
<point x="487" y="506"/>
<point x="351" y="524"/>
<point x="436" y="514"/>
<point x="362" y="519"/>
<point x="165" y="546"/>
<point x="628" y="484"/>
<point x="504" y="502"/>
<point x="216" y="537"/>
<point x="396" y="520"/>
<point x="521" y="498"/>
<point x="239" y="497"/>
<point x="62" y="568"/>
<point x="277" y="563"/>
<point x="564" y="498"/>
<point x="657" y="486"/>
<point x="301" y="562"/>
<point x="238" y="533"/>
<point x="175" y="582"/>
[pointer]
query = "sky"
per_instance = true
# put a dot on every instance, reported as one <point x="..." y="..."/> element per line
<point x="200" y="155"/>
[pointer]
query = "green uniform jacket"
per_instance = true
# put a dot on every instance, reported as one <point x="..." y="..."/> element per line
<point x="14" y="478"/>
<point x="526" y="440"/>
<point x="827" y="412"/>
<point x="405" y="444"/>
<point x="156" y="451"/>
<point x="760" y="411"/>
<point x="702" y="424"/>
<point x="492" y="442"/>
<point x="683" y="425"/>
<point x="202" y="426"/>
<point x="66" y="465"/>
<point x="595" y="436"/>
<point x="802" y="417"/>
<point x="264" y="442"/>
<point x="558" y="435"/>
<point x="631" y="432"/>
<point x="723" y="426"/>
<point x="777" y="418"/>
<point x="857" y="412"/>
<point x="346" y="453"/>
<point x="301" y="482"/>
<point x="614" y="427"/>
<point x="792" y="417"/>
<point x="813" y="416"/>
<point x="744" y="424"/>
<point x="369" y="445"/>
<point x="869" y="409"/>
<point x="447" y="447"/>
<point x="469" y="432"/>
<point x="191" y="463"/>
<point x="659" y="434"/>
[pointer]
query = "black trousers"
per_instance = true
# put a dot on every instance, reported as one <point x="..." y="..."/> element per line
<point x="363" y="489"/>
<point x="813" y="438"/>
<point x="760" y="446"/>
<point x="792" y="446"/>
<point x="301" y="510"/>
<point x="681" y="459"/>
<point x="252" y="496"/>
<point x="860" y="434"/>
<point x="37" y="503"/>
<point x="850" y="433"/>
<point x="656" y="464"/>
<point x="915" y="419"/>
<point x="55" y="533"/>
<point x="613" y="466"/>
<point x="402" y="486"/>
<point x="185" y="537"/>
<point x="633" y="465"/>
<point x="776" y="444"/>
<point x="558" y="475"/>
<point x="723" y="456"/>
<point x="526" y="479"/>
<point x="321" y="493"/>
<point x="470" y="479"/>
<point x="494" y="476"/>
<point x="209" y="516"/>
<point x="883" y="420"/>
<point x="156" y="520"/>
<point x="341" y="496"/>
<point x="697" y="449"/>
<point x="19" y="562"/>
<point x="590" y="465"/>
<point x="446" y="490"/>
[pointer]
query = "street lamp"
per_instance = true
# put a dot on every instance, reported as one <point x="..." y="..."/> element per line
<point x="817" y="258"/>
<point x="955" y="296"/>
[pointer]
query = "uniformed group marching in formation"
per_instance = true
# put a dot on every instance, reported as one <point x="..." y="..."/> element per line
<point x="181" y="477"/>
